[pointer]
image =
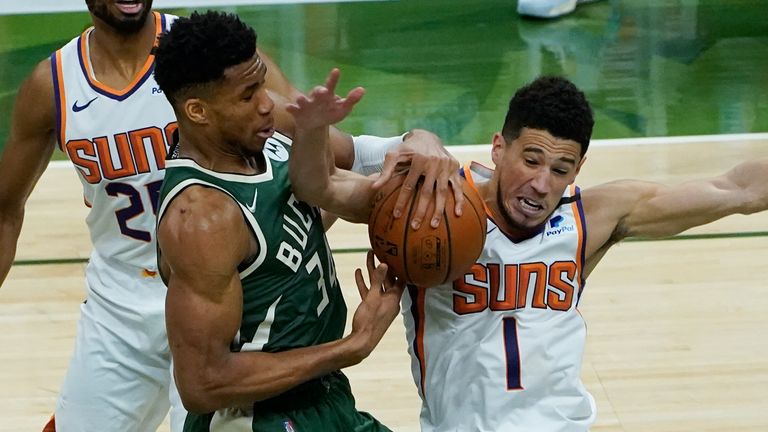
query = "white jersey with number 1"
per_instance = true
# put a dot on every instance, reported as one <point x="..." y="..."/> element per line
<point x="500" y="349"/>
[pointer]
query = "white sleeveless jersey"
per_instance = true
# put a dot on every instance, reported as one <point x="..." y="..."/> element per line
<point x="500" y="349"/>
<point x="117" y="140"/>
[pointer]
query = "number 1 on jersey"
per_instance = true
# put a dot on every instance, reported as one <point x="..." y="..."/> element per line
<point x="512" y="350"/>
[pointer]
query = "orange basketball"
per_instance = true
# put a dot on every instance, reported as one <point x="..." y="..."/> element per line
<point x="427" y="256"/>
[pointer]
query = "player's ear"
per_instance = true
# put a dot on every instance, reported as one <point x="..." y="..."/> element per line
<point x="196" y="110"/>
<point x="581" y="163"/>
<point x="499" y="144"/>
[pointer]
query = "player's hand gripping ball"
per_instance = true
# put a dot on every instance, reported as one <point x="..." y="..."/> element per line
<point x="427" y="256"/>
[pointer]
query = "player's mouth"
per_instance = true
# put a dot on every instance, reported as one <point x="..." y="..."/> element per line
<point x="130" y="7"/>
<point x="267" y="131"/>
<point x="530" y="207"/>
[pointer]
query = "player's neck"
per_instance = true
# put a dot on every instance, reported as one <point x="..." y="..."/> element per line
<point x="210" y="154"/>
<point x="117" y="57"/>
<point x="489" y="192"/>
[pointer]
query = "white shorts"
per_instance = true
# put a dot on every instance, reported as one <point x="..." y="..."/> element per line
<point x="119" y="376"/>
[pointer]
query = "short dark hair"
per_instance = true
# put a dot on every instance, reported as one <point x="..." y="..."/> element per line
<point x="196" y="51"/>
<point x="553" y="104"/>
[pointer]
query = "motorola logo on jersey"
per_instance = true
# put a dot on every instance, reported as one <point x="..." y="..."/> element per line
<point x="275" y="150"/>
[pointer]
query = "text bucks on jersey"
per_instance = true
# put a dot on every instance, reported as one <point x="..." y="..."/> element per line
<point x="291" y="297"/>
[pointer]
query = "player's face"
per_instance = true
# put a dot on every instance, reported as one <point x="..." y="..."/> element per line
<point x="125" y="16"/>
<point x="241" y="110"/>
<point x="533" y="172"/>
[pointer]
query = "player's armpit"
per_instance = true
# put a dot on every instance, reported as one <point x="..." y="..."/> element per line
<point x="606" y="208"/>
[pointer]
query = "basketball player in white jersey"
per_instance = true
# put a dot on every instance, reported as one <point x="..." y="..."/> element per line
<point x="97" y="100"/>
<point x="500" y="349"/>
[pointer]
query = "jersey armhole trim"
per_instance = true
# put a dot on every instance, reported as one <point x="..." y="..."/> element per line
<point x="59" y="98"/>
<point x="251" y="221"/>
<point x="581" y="226"/>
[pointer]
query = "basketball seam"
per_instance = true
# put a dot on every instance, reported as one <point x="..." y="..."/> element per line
<point x="449" y="237"/>
<point x="407" y="228"/>
<point x="483" y="231"/>
<point x="375" y="214"/>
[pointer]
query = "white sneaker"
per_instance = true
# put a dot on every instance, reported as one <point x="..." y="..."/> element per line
<point x="547" y="8"/>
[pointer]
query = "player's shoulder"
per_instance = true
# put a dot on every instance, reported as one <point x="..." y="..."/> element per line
<point x="203" y="221"/>
<point x="198" y="208"/>
<point x="36" y="97"/>
<point x="40" y="80"/>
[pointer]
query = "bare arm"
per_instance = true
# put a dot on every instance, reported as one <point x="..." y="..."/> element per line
<point x="314" y="176"/>
<point x="421" y="151"/>
<point x="283" y="91"/>
<point x="617" y="210"/>
<point x="204" y="307"/>
<point x="27" y="152"/>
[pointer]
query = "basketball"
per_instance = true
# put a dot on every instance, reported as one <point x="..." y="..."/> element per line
<point x="427" y="256"/>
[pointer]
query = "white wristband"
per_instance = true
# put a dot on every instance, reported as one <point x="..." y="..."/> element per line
<point x="370" y="151"/>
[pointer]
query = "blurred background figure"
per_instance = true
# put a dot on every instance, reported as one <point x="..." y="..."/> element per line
<point x="548" y="8"/>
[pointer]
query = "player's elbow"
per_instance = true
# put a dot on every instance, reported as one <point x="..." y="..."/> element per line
<point x="316" y="195"/>
<point x="11" y="210"/>
<point x="197" y="404"/>
<point x="200" y="393"/>
<point x="194" y="397"/>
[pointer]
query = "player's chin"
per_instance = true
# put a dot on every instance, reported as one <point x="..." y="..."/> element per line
<point x="128" y="24"/>
<point x="529" y="222"/>
<point x="256" y="145"/>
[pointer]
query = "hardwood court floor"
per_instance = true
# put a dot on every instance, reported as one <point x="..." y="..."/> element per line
<point x="676" y="328"/>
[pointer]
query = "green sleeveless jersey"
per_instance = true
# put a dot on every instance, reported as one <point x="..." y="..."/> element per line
<point x="291" y="297"/>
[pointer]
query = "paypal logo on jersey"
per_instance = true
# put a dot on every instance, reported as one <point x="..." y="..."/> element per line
<point x="556" y="228"/>
<point x="156" y="90"/>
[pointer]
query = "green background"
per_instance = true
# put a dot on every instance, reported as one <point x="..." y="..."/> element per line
<point x="649" y="68"/>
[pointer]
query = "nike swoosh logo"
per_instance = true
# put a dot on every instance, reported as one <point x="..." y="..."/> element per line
<point x="252" y="207"/>
<point x="77" y="108"/>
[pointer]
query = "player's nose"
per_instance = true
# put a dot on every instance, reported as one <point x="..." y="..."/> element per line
<point x="265" y="103"/>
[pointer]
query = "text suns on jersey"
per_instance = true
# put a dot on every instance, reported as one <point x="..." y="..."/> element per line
<point x="506" y="287"/>
<point x="126" y="154"/>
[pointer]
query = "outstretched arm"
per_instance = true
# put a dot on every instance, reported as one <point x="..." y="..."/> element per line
<point x="27" y="152"/>
<point x="204" y="307"/>
<point x="617" y="210"/>
<point x="283" y="92"/>
<point x="419" y="151"/>
<point x="314" y="176"/>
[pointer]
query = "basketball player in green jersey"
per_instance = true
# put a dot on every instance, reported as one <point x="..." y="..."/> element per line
<point x="254" y="311"/>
